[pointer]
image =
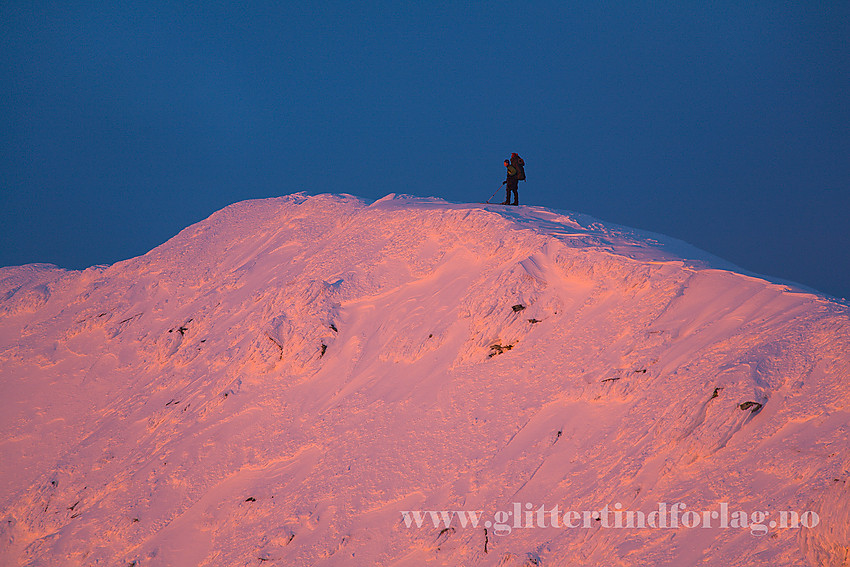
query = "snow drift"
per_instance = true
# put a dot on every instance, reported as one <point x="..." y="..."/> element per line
<point x="276" y="384"/>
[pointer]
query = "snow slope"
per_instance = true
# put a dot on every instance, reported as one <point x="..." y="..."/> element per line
<point x="277" y="383"/>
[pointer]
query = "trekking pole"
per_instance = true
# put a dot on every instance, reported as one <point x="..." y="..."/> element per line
<point x="494" y="193"/>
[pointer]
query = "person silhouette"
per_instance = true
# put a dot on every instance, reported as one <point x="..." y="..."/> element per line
<point x="511" y="183"/>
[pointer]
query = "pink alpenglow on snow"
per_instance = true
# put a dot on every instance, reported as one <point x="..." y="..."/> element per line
<point x="294" y="381"/>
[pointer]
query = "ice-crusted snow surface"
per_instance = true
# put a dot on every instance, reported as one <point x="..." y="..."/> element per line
<point x="275" y="384"/>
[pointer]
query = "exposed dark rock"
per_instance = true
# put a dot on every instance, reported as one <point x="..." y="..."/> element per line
<point x="754" y="405"/>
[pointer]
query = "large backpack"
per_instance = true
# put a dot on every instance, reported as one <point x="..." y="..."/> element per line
<point x="517" y="162"/>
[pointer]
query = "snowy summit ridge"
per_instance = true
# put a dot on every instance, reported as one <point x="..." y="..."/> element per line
<point x="277" y="384"/>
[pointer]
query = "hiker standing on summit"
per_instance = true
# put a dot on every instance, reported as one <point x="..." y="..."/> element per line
<point x="516" y="172"/>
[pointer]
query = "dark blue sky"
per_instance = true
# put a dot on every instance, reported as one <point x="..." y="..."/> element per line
<point x="724" y="124"/>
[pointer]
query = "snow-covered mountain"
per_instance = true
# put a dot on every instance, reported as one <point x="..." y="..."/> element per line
<point x="304" y="380"/>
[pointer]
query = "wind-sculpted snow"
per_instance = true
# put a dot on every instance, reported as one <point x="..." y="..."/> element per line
<point x="276" y="384"/>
